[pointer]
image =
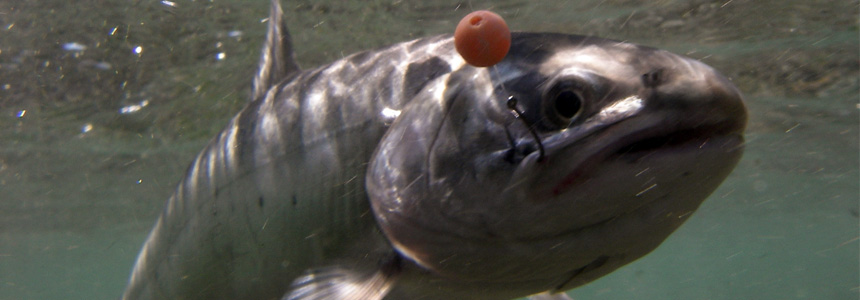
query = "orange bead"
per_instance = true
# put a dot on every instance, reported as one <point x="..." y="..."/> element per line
<point x="482" y="38"/>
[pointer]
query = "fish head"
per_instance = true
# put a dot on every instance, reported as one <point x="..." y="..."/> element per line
<point x="608" y="148"/>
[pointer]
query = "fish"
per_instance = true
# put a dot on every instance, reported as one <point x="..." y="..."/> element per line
<point x="405" y="173"/>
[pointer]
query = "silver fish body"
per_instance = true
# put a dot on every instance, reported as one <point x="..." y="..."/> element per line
<point x="402" y="173"/>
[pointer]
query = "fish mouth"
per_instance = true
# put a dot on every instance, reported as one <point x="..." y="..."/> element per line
<point x="642" y="145"/>
<point x="662" y="138"/>
<point x="633" y="150"/>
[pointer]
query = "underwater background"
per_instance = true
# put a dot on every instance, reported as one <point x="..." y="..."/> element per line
<point x="103" y="104"/>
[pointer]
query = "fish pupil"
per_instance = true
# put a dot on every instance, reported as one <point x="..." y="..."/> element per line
<point x="568" y="104"/>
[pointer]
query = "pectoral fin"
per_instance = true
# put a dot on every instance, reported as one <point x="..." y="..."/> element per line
<point x="342" y="283"/>
<point x="548" y="296"/>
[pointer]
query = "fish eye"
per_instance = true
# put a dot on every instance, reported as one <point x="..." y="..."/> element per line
<point x="563" y="103"/>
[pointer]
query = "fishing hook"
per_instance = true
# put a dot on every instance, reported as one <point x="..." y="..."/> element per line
<point x="512" y="104"/>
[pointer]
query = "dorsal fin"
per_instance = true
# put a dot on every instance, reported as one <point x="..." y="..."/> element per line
<point x="277" y="60"/>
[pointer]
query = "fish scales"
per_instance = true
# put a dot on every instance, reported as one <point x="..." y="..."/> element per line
<point x="295" y="160"/>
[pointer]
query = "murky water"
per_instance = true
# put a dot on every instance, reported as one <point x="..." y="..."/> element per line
<point x="104" y="103"/>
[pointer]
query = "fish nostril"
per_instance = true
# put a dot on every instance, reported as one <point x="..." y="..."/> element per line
<point x="653" y="79"/>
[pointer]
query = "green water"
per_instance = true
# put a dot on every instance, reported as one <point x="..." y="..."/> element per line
<point x="82" y="183"/>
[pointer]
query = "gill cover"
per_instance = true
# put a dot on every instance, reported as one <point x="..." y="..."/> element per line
<point x="445" y="143"/>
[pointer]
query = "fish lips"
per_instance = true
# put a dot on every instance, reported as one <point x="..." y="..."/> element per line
<point x="660" y="139"/>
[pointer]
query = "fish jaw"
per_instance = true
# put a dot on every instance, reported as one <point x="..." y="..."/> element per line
<point x="657" y="134"/>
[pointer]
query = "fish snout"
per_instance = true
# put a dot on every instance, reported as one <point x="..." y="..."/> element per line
<point x="698" y="93"/>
